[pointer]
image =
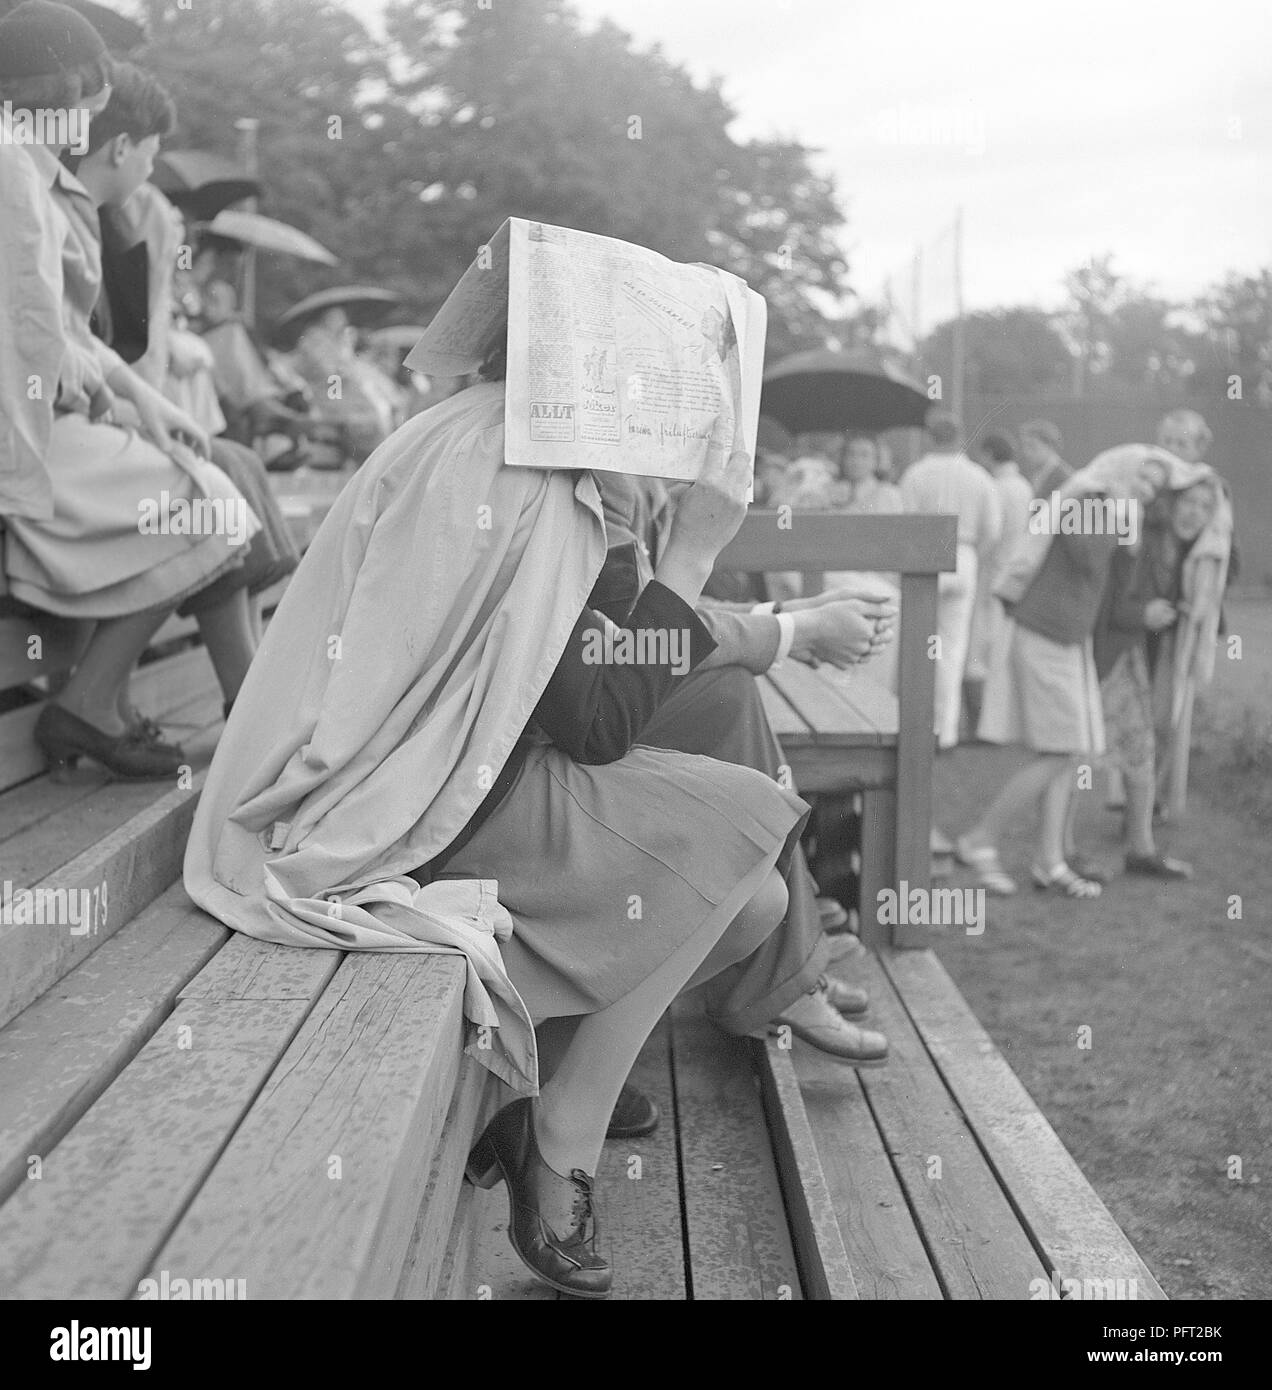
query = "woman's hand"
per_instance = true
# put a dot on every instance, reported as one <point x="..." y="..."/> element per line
<point x="708" y="515"/>
<point x="163" y="423"/>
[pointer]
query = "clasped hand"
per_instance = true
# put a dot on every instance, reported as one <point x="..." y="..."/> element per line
<point x="844" y="632"/>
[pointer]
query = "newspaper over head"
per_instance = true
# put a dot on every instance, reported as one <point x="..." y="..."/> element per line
<point x="618" y="359"/>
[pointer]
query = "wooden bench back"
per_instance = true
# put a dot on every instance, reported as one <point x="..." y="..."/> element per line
<point x="919" y="548"/>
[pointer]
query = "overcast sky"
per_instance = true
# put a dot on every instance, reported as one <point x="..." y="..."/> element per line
<point x="1141" y="127"/>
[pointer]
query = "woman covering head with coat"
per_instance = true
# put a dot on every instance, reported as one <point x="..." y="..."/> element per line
<point x="428" y="727"/>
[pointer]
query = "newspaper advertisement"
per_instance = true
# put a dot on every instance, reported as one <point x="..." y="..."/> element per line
<point x="618" y="358"/>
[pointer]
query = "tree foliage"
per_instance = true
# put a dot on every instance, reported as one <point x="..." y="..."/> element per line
<point x="467" y="115"/>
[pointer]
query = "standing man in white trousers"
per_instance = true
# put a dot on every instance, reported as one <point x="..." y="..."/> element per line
<point x="946" y="481"/>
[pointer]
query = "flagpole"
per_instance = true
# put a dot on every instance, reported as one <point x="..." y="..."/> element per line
<point x="958" y="340"/>
<point x="247" y="127"/>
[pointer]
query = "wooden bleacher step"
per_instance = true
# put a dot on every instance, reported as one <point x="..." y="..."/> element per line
<point x="944" y="1178"/>
<point x="62" y="1052"/>
<point x="692" y="1211"/>
<point x="121" y="844"/>
<point x="1063" y="1213"/>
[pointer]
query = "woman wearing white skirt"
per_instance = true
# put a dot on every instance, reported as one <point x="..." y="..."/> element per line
<point x="115" y="522"/>
<point x="1042" y="691"/>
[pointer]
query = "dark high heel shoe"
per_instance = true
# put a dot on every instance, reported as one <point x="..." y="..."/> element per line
<point x="64" y="738"/>
<point x="508" y="1149"/>
<point x="148" y="731"/>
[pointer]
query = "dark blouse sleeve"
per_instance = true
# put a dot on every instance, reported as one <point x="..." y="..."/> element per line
<point x="604" y="691"/>
<point x="1130" y="584"/>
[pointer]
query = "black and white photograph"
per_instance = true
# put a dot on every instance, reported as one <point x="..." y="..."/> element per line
<point x="635" y="665"/>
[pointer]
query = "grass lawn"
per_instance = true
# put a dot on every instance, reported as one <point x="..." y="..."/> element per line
<point x="1168" y="1111"/>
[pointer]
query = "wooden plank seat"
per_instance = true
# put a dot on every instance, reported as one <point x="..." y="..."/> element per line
<point x="187" y="1112"/>
<point x="192" y="1104"/>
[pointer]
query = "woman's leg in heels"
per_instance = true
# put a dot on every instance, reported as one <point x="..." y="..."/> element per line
<point x="574" y="1107"/>
<point x="99" y="682"/>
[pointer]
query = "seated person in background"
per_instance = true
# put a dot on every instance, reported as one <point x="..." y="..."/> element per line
<point x="123" y="142"/>
<point x="265" y="404"/>
<point x="861" y="492"/>
<point x="341" y="385"/>
<point x="716" y="710"/>
<point x="771" y="467"/>
<point x="146" y="233"/>
<point x="89" y="554"/>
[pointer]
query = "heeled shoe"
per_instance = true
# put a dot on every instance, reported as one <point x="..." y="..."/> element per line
<point x="508" y="1149"/>
<point x="64" y="738"/>
<point x="149" y="731"/>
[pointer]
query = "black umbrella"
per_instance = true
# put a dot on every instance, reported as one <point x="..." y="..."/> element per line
<point x="363" y="304"/>
<point x="827" y="390"/>
<point x="202" y="184"/>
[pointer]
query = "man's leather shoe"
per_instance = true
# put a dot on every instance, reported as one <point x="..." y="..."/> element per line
<point x="814" y="1018"/>
<point x="635" y="1115"/>
<point x="844" y="945"/>
<point x="848" y="999"/>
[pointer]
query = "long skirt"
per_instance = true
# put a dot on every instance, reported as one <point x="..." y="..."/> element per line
<point x="95" y="558"/>
<point x="1042" y="694"/>
<point x="607" y="869"/>
<point x="1127" y="694"/>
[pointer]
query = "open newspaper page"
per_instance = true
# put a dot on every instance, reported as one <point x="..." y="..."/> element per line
<point x="618" y="359"/>
<point x="624" y="361"/>
<point x="473" y="318"/>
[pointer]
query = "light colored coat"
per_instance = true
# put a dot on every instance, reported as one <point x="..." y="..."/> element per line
<point x="407" y="656"/>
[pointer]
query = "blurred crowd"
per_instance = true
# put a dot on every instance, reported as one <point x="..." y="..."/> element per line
<point x="1082" y="643"/>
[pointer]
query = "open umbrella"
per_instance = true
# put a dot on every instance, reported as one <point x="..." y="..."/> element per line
<point x="827" y="390"/>
<point x="201" y="184"/>
<point x="363" y="304"/>
<point x="268" y="234"/>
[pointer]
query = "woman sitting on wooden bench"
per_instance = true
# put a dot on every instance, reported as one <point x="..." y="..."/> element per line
<point x="98" y="532"/>
<point x="423" y="708"/>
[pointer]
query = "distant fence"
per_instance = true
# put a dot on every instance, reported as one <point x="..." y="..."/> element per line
<point x="1242" y="451"/>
